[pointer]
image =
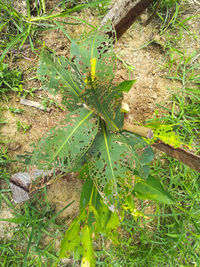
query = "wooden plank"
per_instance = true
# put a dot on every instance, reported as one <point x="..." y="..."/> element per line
<point x="124" y="13"/>
<point x="187" y="157"/>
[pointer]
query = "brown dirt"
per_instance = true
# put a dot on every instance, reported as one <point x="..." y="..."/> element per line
<point x="151" y="85"/>
<point x="64" y="191"/>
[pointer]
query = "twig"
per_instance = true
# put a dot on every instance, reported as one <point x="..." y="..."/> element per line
<point x="140" y="130"/>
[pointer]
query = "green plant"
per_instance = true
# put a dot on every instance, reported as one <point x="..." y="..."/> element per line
<point x="91" y="140"/>
<point x="33" y="222"/>
<point x="168" y="13"/>
<point x="23" y="127"/>
<point x="48" y="103"/>
<point x="16" y="110"/>
<point x="20" y="27"/>
<point x="9" y="79"/>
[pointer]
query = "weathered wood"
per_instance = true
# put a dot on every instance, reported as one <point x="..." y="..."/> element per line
<point x="21" y="183"/>
<point x="188" y="158"/>
<point x="34" y="104"/>
<point x="124" y="13"/>
<point x="25" y="184"/>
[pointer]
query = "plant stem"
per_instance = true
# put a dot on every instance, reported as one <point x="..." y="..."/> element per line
<point x="140" y="130"/>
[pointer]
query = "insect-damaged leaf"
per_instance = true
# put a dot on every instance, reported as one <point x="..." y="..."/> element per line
<point x="106" y="103"/>
<point x="88" y="253"/>
<point x="98" y="45"/>
<point x="57" y="76"/>
<point x="63" y="146"/>
<point x="110" y="162"/>
<point x="141" y="152"/>
<point x="72" y="237"/>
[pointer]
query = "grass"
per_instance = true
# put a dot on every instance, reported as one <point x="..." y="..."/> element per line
<point x="20" y="28"/>
<point x="168" y="236"/>
<point x="10" y="80"/>
<point x="33" y="222"/>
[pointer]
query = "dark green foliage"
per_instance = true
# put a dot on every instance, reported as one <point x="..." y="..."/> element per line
<point x="111" y="159"/>
<point x="58" y="78"/>
<point x="112" y="155"/>
<point x="105" y="101"/>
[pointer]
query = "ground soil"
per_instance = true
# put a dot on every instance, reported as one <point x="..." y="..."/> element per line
<point x="151" y="88"/>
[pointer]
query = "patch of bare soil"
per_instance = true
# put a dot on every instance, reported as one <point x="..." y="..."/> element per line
<point x="151" y="86"/>
<point x="63" y="192"/>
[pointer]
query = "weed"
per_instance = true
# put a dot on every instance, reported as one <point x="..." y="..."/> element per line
<point x="16" y="110"/>
<point x="23" y="127"/>
<point x="88" y="139"/>
<point x="21" y="28"/>
<point x="10" y="80"/>
<point x="34" y="221"/>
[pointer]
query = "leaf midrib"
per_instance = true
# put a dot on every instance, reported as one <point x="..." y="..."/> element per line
<point x="67" y="139"/>
<point x="108" y="153"/>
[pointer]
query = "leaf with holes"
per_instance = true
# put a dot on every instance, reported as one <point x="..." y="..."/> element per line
<point x="64" y="145"/>
<point x="142" y="153"/>
<point x="98" y="45"/>
<point x="72" y="237"/>
<point x="58" y="77"/>
<point x="88" y="253"/>
<point x="105" y="101"/>
<point x="111" y="160"/>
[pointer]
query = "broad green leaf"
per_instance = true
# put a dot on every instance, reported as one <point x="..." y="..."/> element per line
<point x="88" y="253"/>
<point x="72" y="238"/>
<point x="152" y="189"/>
<point x="57" y="76"/>
<point x="147" y="155"/>
<point x="142" y="153"/>
<point x="98" y="45"/>
<point x="113" y="222"/>
<point x="110" y="162"/>
<point x="86" y="193"/>
<point x="63" y="146"/>
<point x="89" y="190"/>
<point x="104" y="215"/>
<point x="125" y="86"/>
<point x="111" y="227"/>
<point x="102" y="100"/>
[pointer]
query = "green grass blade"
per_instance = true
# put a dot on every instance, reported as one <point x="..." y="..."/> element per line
<point x="69" y="11"/>
<point x="11" y="44"/>
<point x="63" y="30"/>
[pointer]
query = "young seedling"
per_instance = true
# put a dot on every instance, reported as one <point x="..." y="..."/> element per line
<point x="92" y="140"/>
